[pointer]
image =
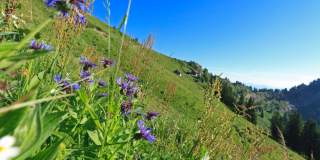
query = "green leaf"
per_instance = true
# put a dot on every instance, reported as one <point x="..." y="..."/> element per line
<point x="35" y="81"/>
<point x="28" y="133"/>
<point x="32" y="143"/>
<point x="73" y="114"/>
<point x="94" y="137"/>
<point x="49" y="153"/>
<point x="83" y="120"/>
<point x="9" y="121"/>
<point x="62" y="135"/>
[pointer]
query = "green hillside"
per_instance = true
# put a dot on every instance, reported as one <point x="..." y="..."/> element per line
<point x="186" y="116"/>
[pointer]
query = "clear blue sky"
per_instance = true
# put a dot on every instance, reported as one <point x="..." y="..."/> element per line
<point x="274" y="43"/>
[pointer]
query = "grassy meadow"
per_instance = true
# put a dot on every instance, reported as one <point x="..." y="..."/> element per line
<point x="69" y="103"/>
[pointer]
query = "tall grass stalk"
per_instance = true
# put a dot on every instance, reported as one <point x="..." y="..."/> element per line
<point x="107" y="6"/>
<point x="31" y="103"/>
<point x="126" y="18"/>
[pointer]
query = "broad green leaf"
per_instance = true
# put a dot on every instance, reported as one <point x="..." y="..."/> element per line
<point x="9" y="121"/>
<point x="83" y="120"/>
<point x="62" y="135"/>
<point x="73" y="114"/>
<point x="35" y="81"/>
<point x="28" y="133"/>
<point x="84" y="98"/>
<point x="94" y="137"/>
<point x="50" y="153"/>
<point x="49" y="124"/>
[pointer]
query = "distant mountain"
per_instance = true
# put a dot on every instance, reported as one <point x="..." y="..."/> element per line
<point x="306" y="98"/>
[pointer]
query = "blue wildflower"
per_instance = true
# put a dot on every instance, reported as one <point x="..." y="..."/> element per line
<point x="40" y="46"/>
<point x="131" y="90"/>
<point x="131" y="77"/>
<point x="57" y="78"/>
<point x="152" y="115"/>
<point x="64" y="13"/>
<point x="87" y="64"/>
<point x="124" y="86"/>
<point x="51" y="3"/>
<point x="145" y="132"/>
<point x="91" y="81"/>
<point x="102" y="83"/>
<point x="76" y="86"/>
<point x="65" y="85"/>
<point x="65" y="6"/>
<point x="85" y="75"/>
<point x="79" y="5"/>
<point x="80" y="19"/>
<point x="127" y="86"/>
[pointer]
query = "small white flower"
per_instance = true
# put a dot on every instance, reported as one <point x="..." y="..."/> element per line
<point x="7" y="151"/>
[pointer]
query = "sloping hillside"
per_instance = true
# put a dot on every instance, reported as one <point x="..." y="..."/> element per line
<point x="180" y="100"/>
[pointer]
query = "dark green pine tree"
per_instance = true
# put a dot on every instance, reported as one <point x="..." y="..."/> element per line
<point x="293" y="133"/>
<point x="311" y="137"/>
<point x="277" y="126"/>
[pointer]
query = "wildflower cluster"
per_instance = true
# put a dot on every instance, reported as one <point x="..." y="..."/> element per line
<point x="145" y="132"/>
<point x="129" y="89"/>
<point x="100" y="128"/>
<point x="66" y="6"/>
<point x="65" y="85"/>
<point x="85" y="75"/>
<point x="87" y="65"/>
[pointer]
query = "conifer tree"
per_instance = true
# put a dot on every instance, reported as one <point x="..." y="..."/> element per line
<point x="311" y="137"/>
<point x="277" y="125"/>
<point x="293" y="133"/>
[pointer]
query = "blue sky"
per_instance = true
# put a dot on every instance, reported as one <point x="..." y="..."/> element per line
<point x="273" y="43"/>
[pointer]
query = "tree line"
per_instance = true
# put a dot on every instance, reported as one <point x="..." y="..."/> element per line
<point x="302" y="137"/>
